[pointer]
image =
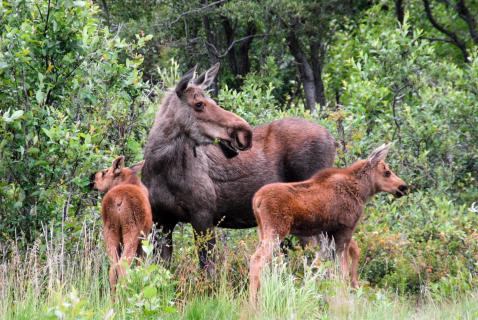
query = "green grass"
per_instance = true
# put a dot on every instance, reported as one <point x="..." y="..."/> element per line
<point x="55" y="280"/>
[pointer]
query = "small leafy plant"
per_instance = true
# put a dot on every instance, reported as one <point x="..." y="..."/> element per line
<point x="148" y="290"/>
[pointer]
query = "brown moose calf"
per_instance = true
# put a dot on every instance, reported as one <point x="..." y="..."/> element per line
<point x="126" y="213"/>
<point x="330" y="202"/>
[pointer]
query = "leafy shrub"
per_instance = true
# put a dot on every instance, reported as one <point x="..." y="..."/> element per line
<point x="420" y="243"/>
<point x="392" y="87"/>
<point x="70" y="307"/>
<point x="148" y="290"/>
<point x="71" y="95"/>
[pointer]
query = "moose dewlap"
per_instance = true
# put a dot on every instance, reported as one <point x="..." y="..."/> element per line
<point x="330" y="202"/>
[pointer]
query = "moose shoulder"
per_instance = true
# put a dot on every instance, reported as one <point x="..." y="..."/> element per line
<point x="203" y="164"/>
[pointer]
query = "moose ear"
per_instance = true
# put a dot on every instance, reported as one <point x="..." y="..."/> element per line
<point x="379" y="154"/>
<point x="136" y="168"/>
<point x="207" y="78"/>
<point x="185" y="80"/>
<point x="117" y="165"/>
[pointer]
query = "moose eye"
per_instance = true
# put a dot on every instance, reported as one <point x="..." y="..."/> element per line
<point x="199" y="106"/>
<point x="387" y="174"/>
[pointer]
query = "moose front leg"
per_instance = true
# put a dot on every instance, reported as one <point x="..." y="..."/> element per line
<point x="205" y="241"/>
<point x="163" y="242"/>
<point x="342" y="246"/>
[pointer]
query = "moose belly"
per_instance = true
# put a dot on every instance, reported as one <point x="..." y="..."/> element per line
<point x="234" y="201"/>
<point x="309" y="226"/>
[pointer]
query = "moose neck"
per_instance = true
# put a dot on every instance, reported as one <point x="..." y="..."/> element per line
<point x="135" y="180"/>
<point x="169" y="142"/>
<point x="132" y="179"/>
<point x="364" y="178"/>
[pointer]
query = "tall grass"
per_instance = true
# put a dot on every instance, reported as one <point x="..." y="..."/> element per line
<point x="58" y="279"/>
<point x="33" y="279"/>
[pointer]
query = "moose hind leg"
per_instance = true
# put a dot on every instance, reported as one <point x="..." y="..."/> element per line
<point x="354" y="252"/>
<point x="131" y="242"/>
<point x="262" y="256"/>
<point x="113" y="249"/>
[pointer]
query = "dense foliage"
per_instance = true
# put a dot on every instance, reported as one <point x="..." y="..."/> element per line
<point x="80" y="82"/>
<point x="70" y="93"/>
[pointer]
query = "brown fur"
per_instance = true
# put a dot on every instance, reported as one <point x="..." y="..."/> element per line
<point x="330" y="202"/>
<point x="126" y="214"/>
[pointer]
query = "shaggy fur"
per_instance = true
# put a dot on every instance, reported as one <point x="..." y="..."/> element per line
<point x="330" y="202"/>
<point x="192" y="180"/>
<point x="126" y="214"/>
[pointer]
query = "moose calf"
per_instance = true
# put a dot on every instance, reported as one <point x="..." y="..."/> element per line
<point x="330" y="202"/>
<point x="126" y="213"/>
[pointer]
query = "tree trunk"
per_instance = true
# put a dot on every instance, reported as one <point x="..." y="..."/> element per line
<point x="211" y="47"/>
<point x="229" y="33"/>
<point x="317" y="52"/>
<point x="107" y="12"/>
<point x="305" y="71"/>
<point x="399" y="11"/>
<point x="244" y="65"/>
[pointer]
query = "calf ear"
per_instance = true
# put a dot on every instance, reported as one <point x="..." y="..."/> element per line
<point x="207" y="78"/>
<point x="136" y="168"/>
<point x="185" y="80"/>
<point x="117" y="165"/>
<point x="379" y="154"/>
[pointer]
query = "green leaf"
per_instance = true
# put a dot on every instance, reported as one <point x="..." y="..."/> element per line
<point x="17" y="114"/>
<point x="149" y="292"/>
<point x="39" y="96"/>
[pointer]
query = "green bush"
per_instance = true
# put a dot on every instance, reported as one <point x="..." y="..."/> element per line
<point x="392" y="87"/>
<point x="71" y="96"/>
<point x="418" y="243"/>
<point x="148" y="290"/>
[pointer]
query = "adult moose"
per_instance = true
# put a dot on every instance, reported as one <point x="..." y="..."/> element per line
<point x="203" y="164"/>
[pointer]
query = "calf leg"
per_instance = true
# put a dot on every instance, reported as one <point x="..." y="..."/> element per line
<point x="262" y="256"/>
<point x="112" y="240"/>
<point x="354" y="252"/>
<point x="131" y="242"/>
<point x="342" y="243"/>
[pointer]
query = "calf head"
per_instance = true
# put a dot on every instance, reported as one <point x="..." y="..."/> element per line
<point x="382" y="178"/>
<point x="108" y="178"/>
<point x="204" y="121"/>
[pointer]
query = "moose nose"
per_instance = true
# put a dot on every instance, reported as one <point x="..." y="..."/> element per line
<point x="243" y="139"/>
<point x="403" y="188"/>
<point x="241" y="135"/>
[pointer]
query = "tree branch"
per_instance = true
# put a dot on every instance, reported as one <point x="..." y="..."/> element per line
<point x="450" y="34"/>
<point x="45" y="30"/>
<point x="438" y="39"/>
<point x="196" y="10"/>
<point x="104" y="4"/>
<point x="465" y="14"/>
<point x="233" y="43"/>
